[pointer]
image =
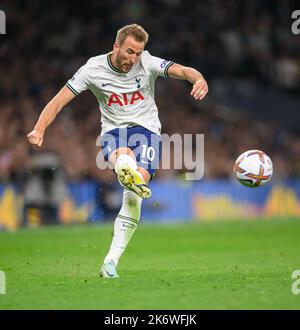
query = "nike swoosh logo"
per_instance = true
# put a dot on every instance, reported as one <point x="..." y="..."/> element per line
<point x="142" y="161"/>
<point x="103" y="85"/>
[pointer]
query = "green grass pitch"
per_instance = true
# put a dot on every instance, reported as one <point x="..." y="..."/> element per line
<point x="233" y="265"/>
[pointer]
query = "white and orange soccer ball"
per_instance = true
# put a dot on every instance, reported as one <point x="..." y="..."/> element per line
<point x="253" y="168"/>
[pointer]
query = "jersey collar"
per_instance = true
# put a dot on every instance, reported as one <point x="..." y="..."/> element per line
<point x="111" y="65"/>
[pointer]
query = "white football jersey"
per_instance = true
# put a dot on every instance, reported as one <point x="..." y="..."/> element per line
<point x="125" y="99"/>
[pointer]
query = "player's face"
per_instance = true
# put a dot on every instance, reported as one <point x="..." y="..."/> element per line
<point x="128" y="53"/>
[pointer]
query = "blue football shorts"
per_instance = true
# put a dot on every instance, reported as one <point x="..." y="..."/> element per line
<point x="145" y="144"/>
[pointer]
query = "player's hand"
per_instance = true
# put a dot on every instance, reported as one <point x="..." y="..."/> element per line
<point x="35" y="138"/>
<point x="200" y="89"/>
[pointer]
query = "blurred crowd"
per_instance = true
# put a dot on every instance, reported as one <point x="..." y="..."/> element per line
<point x="47" y="41"/>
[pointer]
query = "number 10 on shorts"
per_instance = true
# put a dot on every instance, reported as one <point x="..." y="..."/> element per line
<point x="148" y="152"/>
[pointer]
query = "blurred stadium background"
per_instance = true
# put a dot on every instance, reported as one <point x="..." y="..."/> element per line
<point x="245" y="49"/>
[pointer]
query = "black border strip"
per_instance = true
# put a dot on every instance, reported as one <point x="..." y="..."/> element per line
<point x="127" y="218"/>
<point x="166" y="69"/>
<point x="72" y="89"/>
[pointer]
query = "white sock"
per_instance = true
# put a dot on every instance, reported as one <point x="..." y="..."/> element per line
<point x="125" y="159"/>
<point x="125" y="225"/>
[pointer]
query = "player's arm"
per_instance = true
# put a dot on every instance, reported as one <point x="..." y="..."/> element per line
<point x="200" y="88"/>
<point x="62" y="98"/>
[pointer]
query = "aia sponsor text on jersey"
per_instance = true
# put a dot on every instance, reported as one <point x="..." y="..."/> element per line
<point x="125" y="99"/>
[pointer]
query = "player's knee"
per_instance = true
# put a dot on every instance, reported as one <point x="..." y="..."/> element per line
<point x="124" y="151"/>
<point x="125" y="159"/>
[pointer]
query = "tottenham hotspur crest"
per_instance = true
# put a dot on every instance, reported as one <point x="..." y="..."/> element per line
<point x="138" y="81"/>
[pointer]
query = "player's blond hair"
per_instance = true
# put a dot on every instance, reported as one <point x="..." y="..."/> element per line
<point x="135" y="30"/>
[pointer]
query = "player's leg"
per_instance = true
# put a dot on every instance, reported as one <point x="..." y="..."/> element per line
<point x="127" y="220"/>
<point x="129" y="215"/>
<point x="124" y="227"/>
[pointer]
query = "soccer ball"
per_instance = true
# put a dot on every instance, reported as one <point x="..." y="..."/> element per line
<point x="253" y="168"/>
